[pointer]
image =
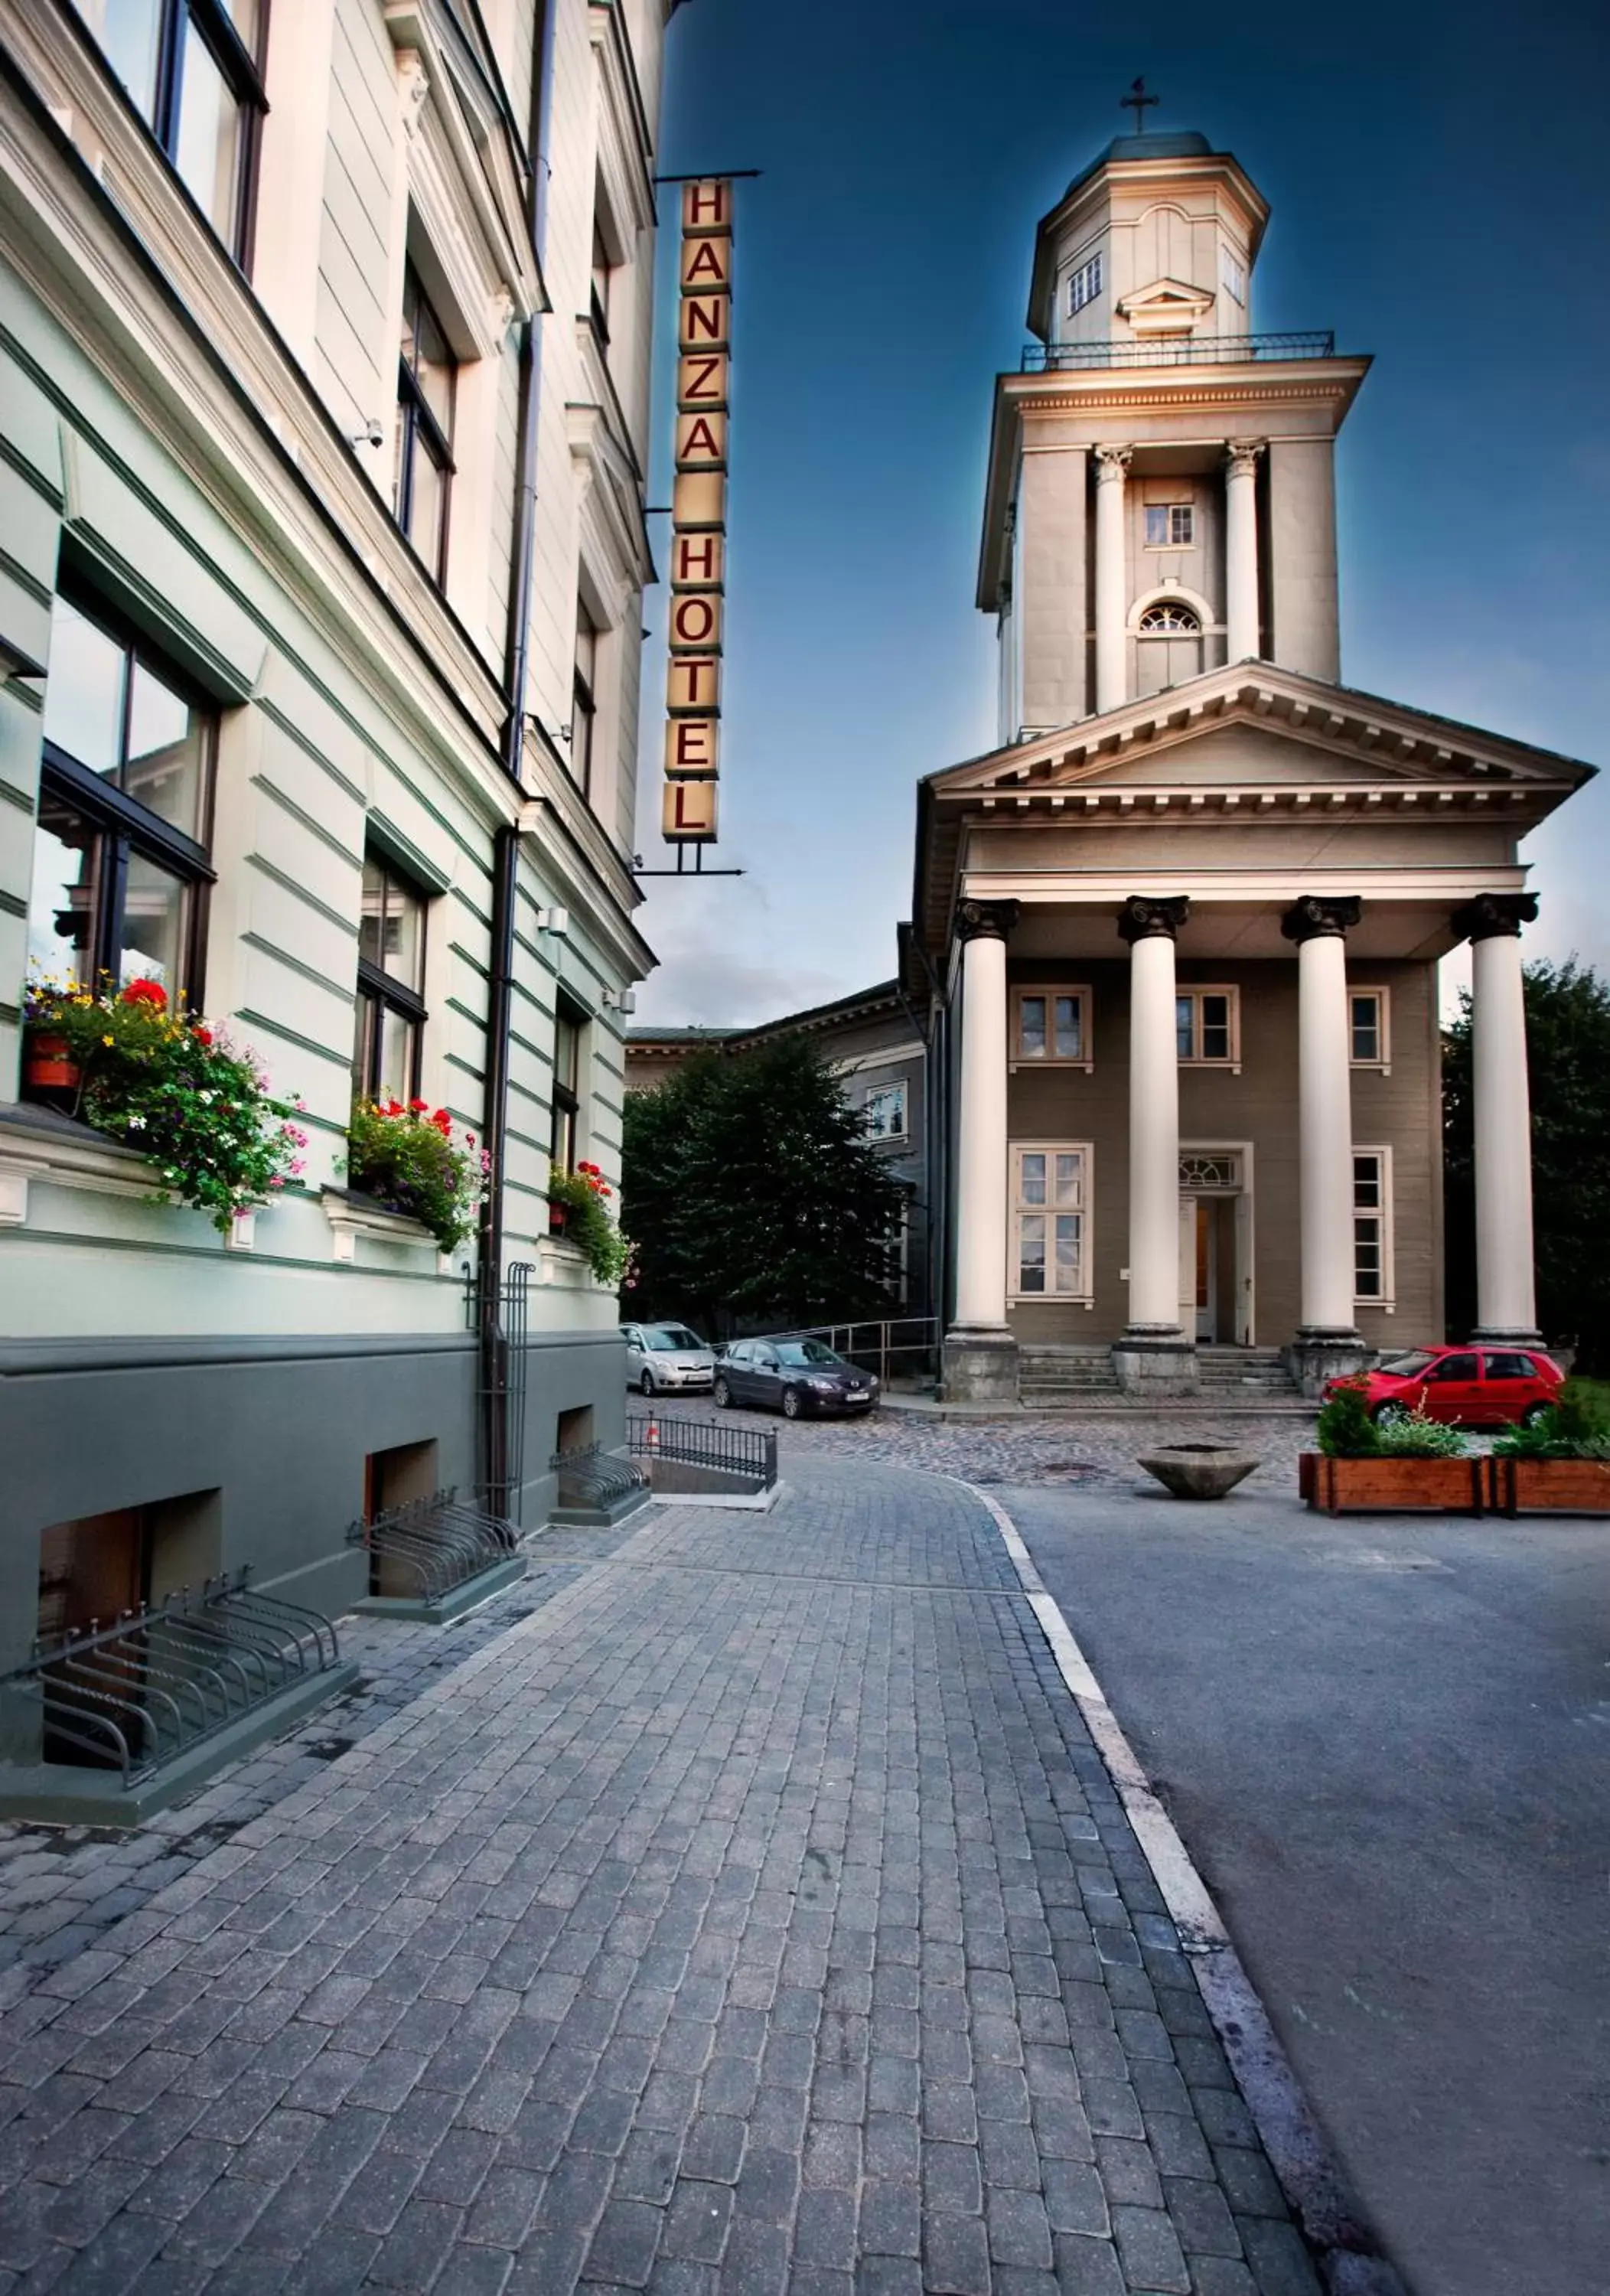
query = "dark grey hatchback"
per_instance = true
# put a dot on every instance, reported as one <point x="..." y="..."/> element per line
<point x="793" y="1376"/>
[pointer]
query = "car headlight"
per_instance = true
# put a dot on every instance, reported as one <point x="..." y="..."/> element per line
<point x="825" y="1386"/>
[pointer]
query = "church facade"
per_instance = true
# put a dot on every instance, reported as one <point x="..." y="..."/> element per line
<point x="1179" y="934"/>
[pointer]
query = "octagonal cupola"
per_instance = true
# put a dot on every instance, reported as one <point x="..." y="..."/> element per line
<point x="1156" y="239"/>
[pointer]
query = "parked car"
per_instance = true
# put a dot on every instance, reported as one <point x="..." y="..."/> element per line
<point x="794" y="1377"/>
<point x="666" y="1357"/>
<point x="1478" y="1387"/>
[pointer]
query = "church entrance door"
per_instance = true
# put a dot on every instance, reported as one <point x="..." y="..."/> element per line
<point x="1215" y="1245"/>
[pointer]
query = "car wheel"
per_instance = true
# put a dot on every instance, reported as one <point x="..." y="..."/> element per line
<point x="722" y="1394"/>
<point x="1533" y="1413"/>
<point x="647" y="1381"/>
<point x="1389" y="1414"/>
<point x="792" y="1403"/>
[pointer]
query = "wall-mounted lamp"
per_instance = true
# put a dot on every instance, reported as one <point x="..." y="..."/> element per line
<point x="554" y="920"/>
<point x="620" y="1000"/>
<point x="15" y="663"/>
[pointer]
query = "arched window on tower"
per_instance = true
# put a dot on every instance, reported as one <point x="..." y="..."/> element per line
<point x="1169" y="647"/>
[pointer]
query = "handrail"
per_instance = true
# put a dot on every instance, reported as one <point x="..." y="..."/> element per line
<point x="1177" y="350"/>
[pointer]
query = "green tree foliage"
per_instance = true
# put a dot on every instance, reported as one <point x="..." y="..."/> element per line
<point x="1568" y="1058"/>
<point x="752" y="1195"/>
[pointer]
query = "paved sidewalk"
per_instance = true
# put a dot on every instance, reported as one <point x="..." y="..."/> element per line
<point x="755" y="1915"/>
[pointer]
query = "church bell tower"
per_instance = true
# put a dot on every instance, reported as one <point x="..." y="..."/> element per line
<point x="1161" y="497"/>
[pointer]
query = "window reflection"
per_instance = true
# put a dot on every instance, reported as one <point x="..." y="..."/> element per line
<point x="63" y="899"/>
<point x="84" y="691"/>
<point x="207" y="151"/>
<point x="152" y="936"/>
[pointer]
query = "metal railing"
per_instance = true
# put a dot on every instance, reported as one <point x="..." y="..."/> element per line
<point x="750" y="1451"/>
<point x="1177" y="350"/>
<point x="874" y="1343"/>
<point x="590" y="1476"/>
<point x="152" y="1682"/>
<point x="426" y="1548"/>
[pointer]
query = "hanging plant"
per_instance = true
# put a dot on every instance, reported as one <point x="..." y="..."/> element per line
<point x="404" y="1155"/>
<point x="167" y="1084"/>
<point x="583" y="1196"/>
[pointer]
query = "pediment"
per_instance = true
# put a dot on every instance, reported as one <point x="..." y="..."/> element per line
<point x="1167" y="307"/>
<point x="1235" y="730"/>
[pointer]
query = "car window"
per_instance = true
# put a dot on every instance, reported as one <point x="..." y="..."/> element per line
<point x="1511" y="1367"/>
<point x="738" y="1352"/>
<point x="663" y="1340"/>
<point x="807" y="1352"/>
<point x="1406" y="1366"/>
<point x="676" y="1336"/>
<point x="628" y="1332"/>
<point x="1452" y="1367"/>
<point x="767" y="1358"/>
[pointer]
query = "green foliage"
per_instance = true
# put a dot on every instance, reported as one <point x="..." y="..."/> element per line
<point x="407" y="1160"/>
<point x="1411" y="1435"/>
<point x="755" y="1195"/>
<point x="175" y="1089"/>
<point x="1568" y="1047"/>
<point x="584" y="1196"/>
<point x="1345" y="1429"/>
<point x="1575" y="1427"/>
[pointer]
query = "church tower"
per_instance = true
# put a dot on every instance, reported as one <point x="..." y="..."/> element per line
<point x="1161" y="495"/>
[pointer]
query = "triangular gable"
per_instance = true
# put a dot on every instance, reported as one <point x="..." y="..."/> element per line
<point x="1256" y="726"/>
<point x="1168" y="305"/>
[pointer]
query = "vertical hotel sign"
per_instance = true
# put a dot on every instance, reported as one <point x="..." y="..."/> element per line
<point x="699" y="513"/>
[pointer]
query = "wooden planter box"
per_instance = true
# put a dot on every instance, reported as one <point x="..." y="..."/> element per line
<point x="1551" y="1485"/>
<point x="1393" y="1486"/>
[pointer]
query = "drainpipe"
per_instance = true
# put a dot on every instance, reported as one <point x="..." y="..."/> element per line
<point x="505" y="865"/>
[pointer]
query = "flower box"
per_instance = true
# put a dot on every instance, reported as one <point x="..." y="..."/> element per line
<point x="48" y="1065"/>
<point x="1395" y="1485"/>
<point x="1551" y="1485"/>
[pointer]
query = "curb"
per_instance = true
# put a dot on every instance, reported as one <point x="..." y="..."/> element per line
<point x="1345" y="2250"/>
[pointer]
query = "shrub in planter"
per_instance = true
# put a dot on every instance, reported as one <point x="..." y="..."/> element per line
<point x="582" y="1197"/>
<point x="1560" y="1462"/>
<point x="1406" y="1461"/>
<point x="168" y="1083"/>
<point x="405" y="1157"/>
<point x="1345" y="1429"/>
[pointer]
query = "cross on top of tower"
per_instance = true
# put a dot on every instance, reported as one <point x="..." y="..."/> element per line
<point x="1137" y="102"/>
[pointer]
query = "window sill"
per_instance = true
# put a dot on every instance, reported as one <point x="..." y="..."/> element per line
<point x="1050" y="1299"/>
<point x="40" y="1144"/>
<point x="565" y="1266"/>
<point x="1013" y="1067"/>
<point x="352" y="1214"/>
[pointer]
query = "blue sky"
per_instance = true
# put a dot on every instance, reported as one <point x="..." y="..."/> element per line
<point x="1439" y="200"/>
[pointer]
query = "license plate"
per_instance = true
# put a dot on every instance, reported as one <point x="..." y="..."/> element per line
<point x="858" y="1395"/>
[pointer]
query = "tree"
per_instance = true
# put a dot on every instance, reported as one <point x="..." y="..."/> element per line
<point x="1568" y="1061"/>
<point x="754" y="1195"/>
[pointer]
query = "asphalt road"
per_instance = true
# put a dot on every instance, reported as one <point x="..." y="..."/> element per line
<point x="1386" y="1744"/>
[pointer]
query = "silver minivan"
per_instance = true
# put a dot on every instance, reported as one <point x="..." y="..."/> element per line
<point x="666" y="1358"/>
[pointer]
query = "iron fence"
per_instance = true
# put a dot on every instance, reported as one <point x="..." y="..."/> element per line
<point x="428" y="1546"/>
<point x="591" y="1477"/>
<point x="506" y="1354"/>
<point x="1177" y="350"/>
<point x="133" y="1694"/>
<point x="712" y="1443"/>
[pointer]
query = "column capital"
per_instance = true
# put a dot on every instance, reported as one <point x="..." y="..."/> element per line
<point x="1112" y="463"/>
<point x="1149" y="917"/>
<point x="1241" y="456"/>
<point x="1316" y="917"/>
<point x="1490" y="915"/>
<point x="985" y="920"/>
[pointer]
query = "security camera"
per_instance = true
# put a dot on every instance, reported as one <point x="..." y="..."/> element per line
<point x="370" y="435"/>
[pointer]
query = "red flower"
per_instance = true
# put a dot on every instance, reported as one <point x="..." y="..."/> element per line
<point x="202" y="1036"/>
<point x="146" y="992"/>
<point x="441" y="1119"/>
<point x="418" y="1107"/>
<point x="392" y="1108"/>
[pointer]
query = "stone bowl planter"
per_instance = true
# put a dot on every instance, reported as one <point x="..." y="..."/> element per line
<point x="1199" y="1470"/>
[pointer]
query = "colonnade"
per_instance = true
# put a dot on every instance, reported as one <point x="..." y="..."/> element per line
<point x="1242" y="614"/>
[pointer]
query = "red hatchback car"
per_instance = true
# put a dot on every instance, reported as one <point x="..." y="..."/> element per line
<point x="1479" y="1387"/>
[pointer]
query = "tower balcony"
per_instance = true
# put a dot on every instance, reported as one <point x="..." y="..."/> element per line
<point x="1176" y="350"/>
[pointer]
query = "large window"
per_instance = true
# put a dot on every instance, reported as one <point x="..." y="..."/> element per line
<point x="567" y="1026"/>
<point x="584" y="699"/>
<point x="1051" y="1026"/>
<point x="885" y="1107"/>
<point x="390" y="1019"/>
<point x="1170" y="525"/>
<point x="121" y="862"/>
<point x="426" y="377"/>
<point x="1372" y="1274"/>
<point x="1207" y="1026"/>
<point x="1051" y="1213"/>
<point x="1369" y="1041"/>
<point x="193" y="68"/>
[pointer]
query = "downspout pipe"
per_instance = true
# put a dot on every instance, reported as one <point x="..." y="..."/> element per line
<point x="505" y="864"/>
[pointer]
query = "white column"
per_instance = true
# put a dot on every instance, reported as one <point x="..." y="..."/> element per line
<point x="1112" y="579"/>
<point x="1153" y="1118"/>
<point x="1506" y="1299"/>
<point x="1243" y="638"/>
<point x="981" y="1150"/>
<point x="1324" y="1116"/>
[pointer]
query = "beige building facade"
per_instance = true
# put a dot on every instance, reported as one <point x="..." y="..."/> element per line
<point x="1180" y="932"/>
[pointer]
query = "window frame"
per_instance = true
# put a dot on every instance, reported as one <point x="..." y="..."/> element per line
<point x="1018" y="1059"/>
<point x="565" y="1098"/>
<point x="1084" y="283"/>
<point x="376" y="985"/>
<point x="874" y="1092"/>
<point x="121" y="824"/>
<point x="178" y="21"/>
<point x="584" y="703"/>
<point x="1017" y="1150"/>
<point x="1381" y="1062"/>
<point x="1186" y="509"/>
<point x="1386" y="1298"/>
<point x="1197" y="1059"/>
<point x="1232" y="275"/>
<point x="420" y="430"/>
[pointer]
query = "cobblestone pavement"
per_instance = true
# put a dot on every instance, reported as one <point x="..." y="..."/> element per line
<point x="752" y="1915"/>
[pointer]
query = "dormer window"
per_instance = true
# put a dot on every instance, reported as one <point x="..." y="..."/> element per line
<point x="1085" y="285"/>
<point x="1170" y="526"/>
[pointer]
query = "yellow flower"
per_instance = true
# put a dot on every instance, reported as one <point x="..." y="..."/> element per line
<point x="106" y="1040"/>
